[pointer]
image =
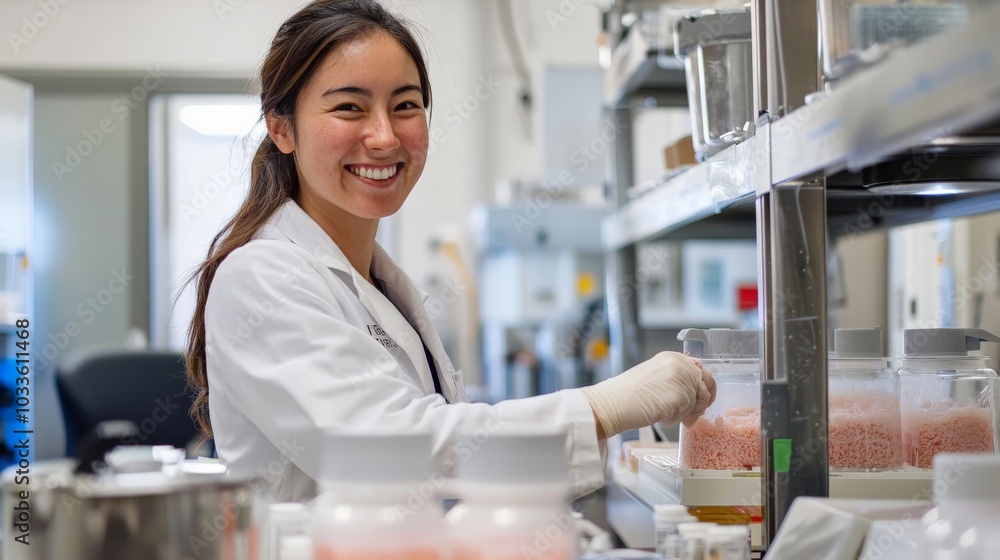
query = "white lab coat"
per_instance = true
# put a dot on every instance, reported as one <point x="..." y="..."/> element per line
<point x="300" y="345"/>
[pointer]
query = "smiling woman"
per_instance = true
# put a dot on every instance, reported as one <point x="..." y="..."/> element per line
<point x="359" y="138"/>
<point x="305" y="328"/>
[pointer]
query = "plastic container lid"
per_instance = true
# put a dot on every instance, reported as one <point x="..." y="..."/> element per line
<point x="376" y="458"/>
<point x="711" y="27"/>
<point x="697" y="528"/>
<point x="720" y="343"/>
<point x="966" y="477"/>
<point x="857" y="343"/>
<point x="519" y="457"/>
<point x="944" y="342"/>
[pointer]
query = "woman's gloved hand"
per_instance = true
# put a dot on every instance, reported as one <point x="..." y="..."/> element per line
<point x="668" y="388"/>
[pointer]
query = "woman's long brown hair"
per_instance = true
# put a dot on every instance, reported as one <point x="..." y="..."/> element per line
<point x="300" y="46"/>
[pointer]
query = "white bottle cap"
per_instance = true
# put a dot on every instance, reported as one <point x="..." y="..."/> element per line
<point x="693" y="529"/>
<point x="966" y="477"/>
<point x="376" y="458"/>
<point x="672" y="512"/>
<point x="296" y="547"/>
<point x="514" y="457"/>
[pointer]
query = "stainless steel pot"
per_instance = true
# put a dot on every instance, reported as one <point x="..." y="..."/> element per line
<point x="132" y="503"/>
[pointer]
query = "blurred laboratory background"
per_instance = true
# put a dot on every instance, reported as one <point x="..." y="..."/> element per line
<point x="549" y="225"/>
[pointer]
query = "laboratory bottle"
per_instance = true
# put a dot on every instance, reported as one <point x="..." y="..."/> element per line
<point x="666" y="519"/>
<point x="964" y="524"/>
<point x="865" y="433"/>
<point x="284" y="521"/>
<point x="514" y="491"/>
<point x="379" y="499"/>
<point x="949" y="398"/>
<point x="727" y="436"/>
<point x="730" y="542"/>
<point x="693" y="539"/>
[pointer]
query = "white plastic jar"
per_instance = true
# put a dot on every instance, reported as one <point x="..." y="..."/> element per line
<point x="379" y="500"/>
<point x="514" y="489"/>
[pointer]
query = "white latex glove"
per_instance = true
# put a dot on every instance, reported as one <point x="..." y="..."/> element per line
<point x="668" y="388"/>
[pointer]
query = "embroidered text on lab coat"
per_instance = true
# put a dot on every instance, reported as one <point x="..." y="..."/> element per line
<point x="381" y="336"/>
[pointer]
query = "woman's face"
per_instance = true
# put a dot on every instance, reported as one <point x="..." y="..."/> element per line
<point x="360" y="134"/>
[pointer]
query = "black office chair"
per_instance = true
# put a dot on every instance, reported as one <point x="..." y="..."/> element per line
<point x="144" y="387"/>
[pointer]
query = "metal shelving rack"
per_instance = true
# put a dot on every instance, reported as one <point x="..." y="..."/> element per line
<point x="799" y="179"/>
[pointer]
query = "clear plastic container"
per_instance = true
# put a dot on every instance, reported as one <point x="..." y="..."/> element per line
<point x="857" y="33"/>
<point x="727" y="436"/>
<point x="715" y="46"/>
<point x="949" y="399"/>
<point x="379" y="500"/>
<point x="864" y="419"/>
<point x="515" y="500"/>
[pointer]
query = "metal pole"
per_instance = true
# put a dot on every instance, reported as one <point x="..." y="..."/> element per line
<point x="620" y="266"/>
<point x="792" y="247"/>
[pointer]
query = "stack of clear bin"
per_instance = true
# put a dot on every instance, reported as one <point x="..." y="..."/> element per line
<point x="950" y="400"/>
<point x="864" y="420"/>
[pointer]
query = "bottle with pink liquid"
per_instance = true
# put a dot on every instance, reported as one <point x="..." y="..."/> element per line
<point x="514" y="488"/>
<point x="380" y="499"/>
<point x="864" y="419"/>
<point x="950" y="399"/>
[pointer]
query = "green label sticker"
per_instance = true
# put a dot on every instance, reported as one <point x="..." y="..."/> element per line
<point x="782" y="455"/>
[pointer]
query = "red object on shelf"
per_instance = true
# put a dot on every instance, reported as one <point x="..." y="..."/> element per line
<point x="746" y="296"/>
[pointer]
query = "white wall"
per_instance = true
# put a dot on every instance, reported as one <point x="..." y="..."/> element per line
<point x="547" y="38"/>
<point x="209" y="37"/>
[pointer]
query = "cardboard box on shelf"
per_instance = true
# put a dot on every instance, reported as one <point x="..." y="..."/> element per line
<point x="679" y="154"/>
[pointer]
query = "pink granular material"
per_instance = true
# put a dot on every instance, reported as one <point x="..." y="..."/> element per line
<point x="865" y="433"/>
<point x="727" y="441"/>
<point x="937" y="429"/>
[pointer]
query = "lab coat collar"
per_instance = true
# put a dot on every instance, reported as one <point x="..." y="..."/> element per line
<point x="409" y="300"/>
<point x="292" y="223"/>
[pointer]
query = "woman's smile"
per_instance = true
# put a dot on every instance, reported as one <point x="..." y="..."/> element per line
<point x="380" y="175"/>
